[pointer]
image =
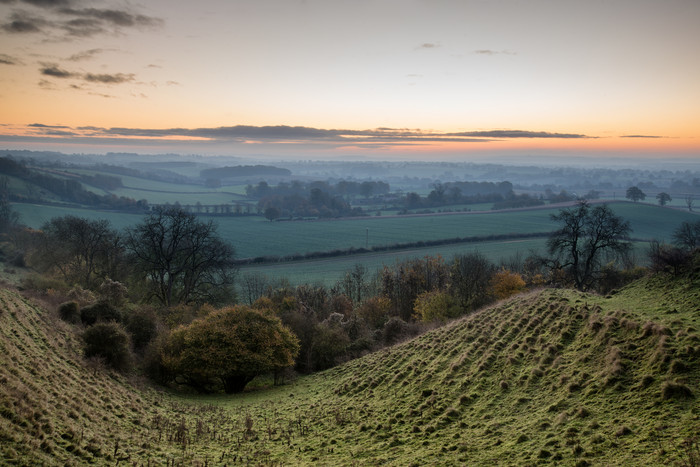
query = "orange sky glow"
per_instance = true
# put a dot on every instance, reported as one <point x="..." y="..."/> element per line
<point x="374" y="78"/>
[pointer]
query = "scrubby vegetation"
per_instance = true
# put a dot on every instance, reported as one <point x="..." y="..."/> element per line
<point x="554" y="376"/>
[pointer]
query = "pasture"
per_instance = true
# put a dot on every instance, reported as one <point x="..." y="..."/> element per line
<point x="254" y="236"/>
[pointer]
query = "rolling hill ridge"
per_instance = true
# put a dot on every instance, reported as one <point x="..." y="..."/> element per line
<point x="553" y="376"/>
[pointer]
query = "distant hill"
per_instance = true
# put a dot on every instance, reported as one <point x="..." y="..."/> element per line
<point x="551" y="377"/>
<point x="245" y="171"/>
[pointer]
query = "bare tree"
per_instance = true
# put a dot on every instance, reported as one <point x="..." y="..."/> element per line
<point x="587" y="237"/>
<point x="663" y="198"/>
<point x="83" y="251"/>
<point x="254" y="286"/>
<point x="687" y="235"/>
<point x="689" y="202"/>
<point x="470" y="275"/>
<point x="181" y="259"/>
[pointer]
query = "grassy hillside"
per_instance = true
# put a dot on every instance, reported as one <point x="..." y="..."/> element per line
<point x="552" y="377"/>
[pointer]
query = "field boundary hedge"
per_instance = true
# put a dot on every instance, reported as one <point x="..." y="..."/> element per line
<point x="384" y="248"/>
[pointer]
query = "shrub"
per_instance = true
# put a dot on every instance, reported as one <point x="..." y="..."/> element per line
<point x="113" y="292"/>
<point x="436" y="305"/>
<point x="108" y="341"/>
<point x="394" y="330"/>
<point x="232" y="345"/>
<point x="100" y="312"/>
<point x="504" y="283"/>
<point x="142" y="324"/>
<point x="42" y="284"/>
<point x="69" y="312"/>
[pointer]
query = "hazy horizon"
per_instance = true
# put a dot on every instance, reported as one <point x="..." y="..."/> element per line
<point x="377" y="79"/>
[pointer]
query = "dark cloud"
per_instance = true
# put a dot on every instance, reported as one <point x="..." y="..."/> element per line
<point x="114" y="17"/>
<point x="56" y="72"/>
<point x="641" y="136"/>
<point x="22" y="23"/>
<point x="9" y="60"/>
<point x="41" y="125"/>
<point x="48" y="3"/>
<point x="85" y="55"/>
<point x="77" y="22"/>
<point x="428" y="45"/>
<point x="518" y="134"/>
<point x="83" y="27"/>
<point x="116" y="78"/>
<point x="299" y="134"/>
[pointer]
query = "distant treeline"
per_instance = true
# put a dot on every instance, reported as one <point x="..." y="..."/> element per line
<point x="314" y="199"/>
<point x="393" y="247"/>
<point x="70" y="190"/>
<point x="318" y="204"/>
<point x="345" y="189"/>
<point x="450" y="193"/>
<point x="244" y="171"/>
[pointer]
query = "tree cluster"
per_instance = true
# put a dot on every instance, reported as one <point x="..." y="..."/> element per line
<point x="450" y="193"/>
<point x="318" y="204"/>
<point x="348" y="190"/>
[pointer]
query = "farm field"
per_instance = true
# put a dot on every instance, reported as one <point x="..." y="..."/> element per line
<point x="254" y="236"/>
<point x="328" y="271"/>
<point x="157" y="192"/>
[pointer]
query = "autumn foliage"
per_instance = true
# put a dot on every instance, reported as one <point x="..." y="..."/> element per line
<point x="230" y="346"/>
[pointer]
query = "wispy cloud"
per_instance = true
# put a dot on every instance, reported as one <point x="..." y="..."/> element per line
<point x="66" y="18"/>
<point x="304" y="135"/>
<point x="85" y="55"/>
<point x="642" y="136"/>
<point x="22" y="22"/>
<point x="116" y="78"/>
<point x="9" y="60"/>
<point x="55" y="71"/>
<point x="494" y="52"/>
<point x="518" y="134"/>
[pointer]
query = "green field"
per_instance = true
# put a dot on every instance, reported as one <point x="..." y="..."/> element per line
<point x="157" y="192"/>
<point x="255" y="236"/>
<point x="329" y="271"/>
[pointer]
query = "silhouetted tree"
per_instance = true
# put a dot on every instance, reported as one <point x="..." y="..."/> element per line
<point x="272" y="213"/>
<point x="687" y="235"/>
<point x="470" y="275"/>
<point x="84" y="251"/>
<point x="181" y="259"/>
<point x="663" y="198"/>
<point x="587" y="237"/>
<point x="635" y="194"/>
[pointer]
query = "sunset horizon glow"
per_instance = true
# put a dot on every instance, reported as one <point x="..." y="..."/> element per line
<point x="332" y="79"/>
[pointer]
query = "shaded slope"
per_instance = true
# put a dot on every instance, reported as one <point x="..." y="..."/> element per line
<point x="56" y="410"/>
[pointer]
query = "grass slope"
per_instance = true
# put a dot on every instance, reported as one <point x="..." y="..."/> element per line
<point x="551" y="377"/>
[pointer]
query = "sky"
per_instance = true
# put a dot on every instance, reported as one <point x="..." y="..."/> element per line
<point x="413" y="79"/>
